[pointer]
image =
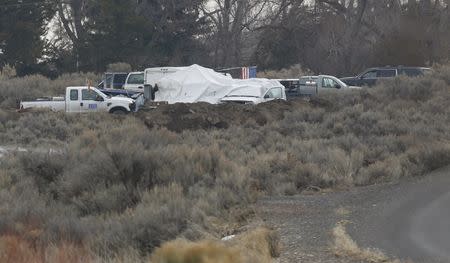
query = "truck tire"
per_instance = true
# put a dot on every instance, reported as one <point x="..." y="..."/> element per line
<point x="118" y="111"/>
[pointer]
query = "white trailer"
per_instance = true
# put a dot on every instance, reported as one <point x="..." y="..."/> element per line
<point x="153" y="75"/>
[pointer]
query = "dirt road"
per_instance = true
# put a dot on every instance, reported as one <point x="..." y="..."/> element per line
<point x="413" y="222"/>
<point x="408" y="220"/>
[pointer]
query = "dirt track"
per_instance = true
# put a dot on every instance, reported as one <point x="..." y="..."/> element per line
<point x="304" y="223"/>
<point x="408" y="220"/>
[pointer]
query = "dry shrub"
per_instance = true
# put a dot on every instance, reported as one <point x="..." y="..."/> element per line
<point x="381" y="171"/>
<point x="259" y="245"/>
<point x="14" y="249"/>
<point x="29" y="87"/>
<point x="7" y="72"/>
<point x="428" y="157"/>
<point x="118" y="67"/>
<point x="182" y="251"/>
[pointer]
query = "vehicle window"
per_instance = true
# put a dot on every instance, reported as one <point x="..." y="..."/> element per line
<point x="88" y="94"/>
<point x="386" y="73"/>
<point x="328" y="83"/>
<point x="370" y="75"/>
<point x="136" y="79"/>
<point x="275" y="93"/>
<point x="120" y="78"/>
<point x="74" y="94"/>
<point x="410" y="72"/>
<point x="108" y="81"/>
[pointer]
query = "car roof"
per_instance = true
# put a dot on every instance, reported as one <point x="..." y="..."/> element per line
<point x="396" y="67"/>
<point x="286" y="79"/>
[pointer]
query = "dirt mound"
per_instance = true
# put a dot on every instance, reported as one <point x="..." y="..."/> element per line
<point x="179" y="117"/>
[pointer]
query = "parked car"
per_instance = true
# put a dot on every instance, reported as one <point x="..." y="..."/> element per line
<point x="314" y="85"/>
<point x="370" y="76"/>
<point x="262" y="90"/>
<point x="113" y="80"/>
<point x="135" y="81"/>
<point x="85" y="99"/>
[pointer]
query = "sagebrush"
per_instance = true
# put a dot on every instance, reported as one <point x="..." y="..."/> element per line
<point x="117" y="184"/>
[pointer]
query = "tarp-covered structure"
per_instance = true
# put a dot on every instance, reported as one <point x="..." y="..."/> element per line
<point x="199" y="84"/>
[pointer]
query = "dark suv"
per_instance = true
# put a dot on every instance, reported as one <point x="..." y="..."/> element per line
<point x="370" y="76"/>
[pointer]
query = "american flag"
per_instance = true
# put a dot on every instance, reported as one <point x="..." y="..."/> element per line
<point x="248" y="72"/>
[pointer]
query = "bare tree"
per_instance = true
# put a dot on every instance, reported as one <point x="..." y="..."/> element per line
<point x="71" y="14"/>
<point x="230" y="20"/>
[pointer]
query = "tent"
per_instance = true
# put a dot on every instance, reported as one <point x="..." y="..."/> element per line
<point x="199" y="84"/>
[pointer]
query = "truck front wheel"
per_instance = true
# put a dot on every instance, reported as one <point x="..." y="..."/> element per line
<point x="118" y="111"/>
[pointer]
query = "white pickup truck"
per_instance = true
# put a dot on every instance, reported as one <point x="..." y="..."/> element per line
<point x="85" y="99"/>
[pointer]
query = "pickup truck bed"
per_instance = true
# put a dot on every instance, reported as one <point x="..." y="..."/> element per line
<point x="55" y="103"/>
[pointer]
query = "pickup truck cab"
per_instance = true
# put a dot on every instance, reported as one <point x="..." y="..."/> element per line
<point x="316" y="85"/>
<point x="84" y="99"/>
<point x="135" y="82"/>
<point x="370" y="76"/>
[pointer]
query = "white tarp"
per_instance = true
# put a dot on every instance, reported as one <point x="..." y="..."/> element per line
<point x="199" y="84"/>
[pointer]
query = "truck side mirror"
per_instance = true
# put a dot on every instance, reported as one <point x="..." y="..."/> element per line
<point x="99" y="98"/>
<point x="337" y="86"/>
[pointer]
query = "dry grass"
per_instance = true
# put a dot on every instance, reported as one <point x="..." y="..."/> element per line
<point x="182" y="251"/>
<point x="15" y="249"/>
<point x="345" y="246"/>
<point x="257" y="246"/>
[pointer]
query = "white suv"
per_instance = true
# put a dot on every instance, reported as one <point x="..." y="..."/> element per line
<point x="135" y="82"/>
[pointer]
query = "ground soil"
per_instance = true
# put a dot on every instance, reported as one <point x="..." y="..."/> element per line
<point x="203" y="116"/>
